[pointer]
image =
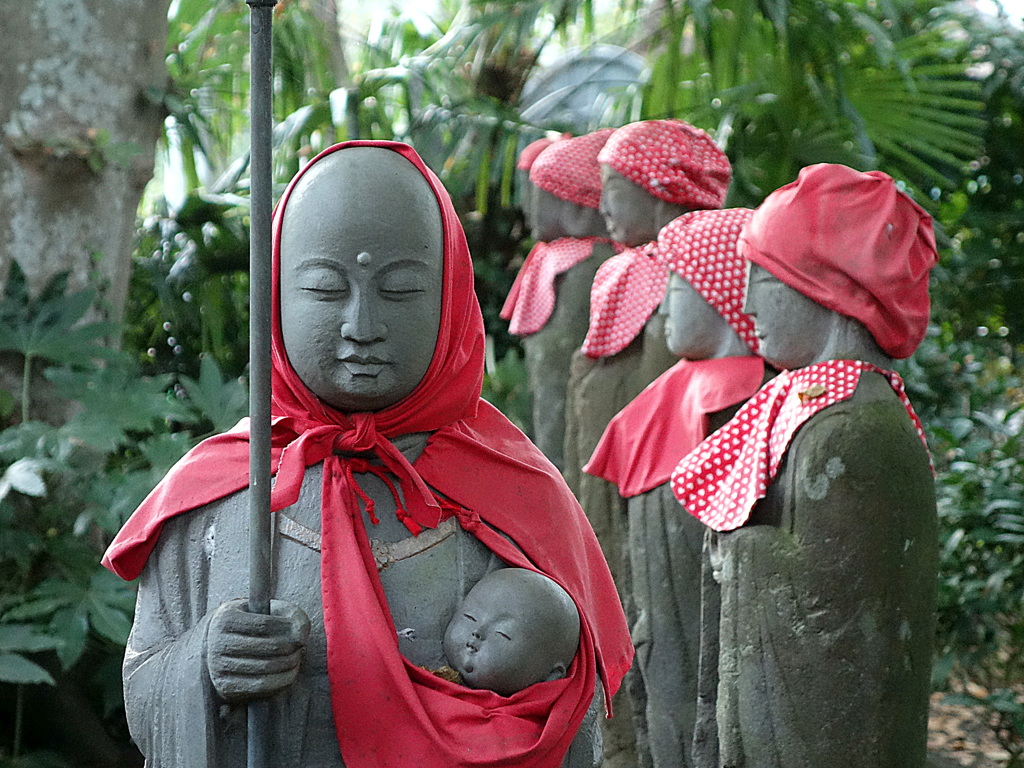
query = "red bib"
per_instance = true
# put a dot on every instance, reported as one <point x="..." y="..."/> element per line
<point x="721" y="479"/>
<point x="646" y="439"/>
<point x="532" y="299"/>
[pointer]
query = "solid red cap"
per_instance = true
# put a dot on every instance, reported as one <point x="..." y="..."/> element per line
<point x="672" y="160"/>
<point x="569" y="169"/>
<point x="854" y="243"/>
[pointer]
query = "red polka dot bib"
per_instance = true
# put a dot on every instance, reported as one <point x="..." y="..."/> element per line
<point x="722" y="478"/>
<point x="626" y="291"/>
<point x="531" y="301"/>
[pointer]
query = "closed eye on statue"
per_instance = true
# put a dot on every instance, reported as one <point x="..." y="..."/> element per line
<point x="322" y="278"/>
<point x="467" y="616"/>
<point x="499" y="632"/>
<point x="403" y="279"/>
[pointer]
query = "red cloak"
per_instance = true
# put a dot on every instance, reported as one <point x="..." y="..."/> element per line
<point x="494" y="480"/>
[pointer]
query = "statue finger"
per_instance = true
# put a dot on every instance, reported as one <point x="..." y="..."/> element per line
<point x="247" y="666"/>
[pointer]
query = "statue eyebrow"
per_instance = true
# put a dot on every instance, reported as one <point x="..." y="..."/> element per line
<point x="404" y="264"/>
<point x="313" y="262"/>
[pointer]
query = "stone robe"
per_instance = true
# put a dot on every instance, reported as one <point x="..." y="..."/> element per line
<point x="201" y="559"/>
<point x="823" y="636"/>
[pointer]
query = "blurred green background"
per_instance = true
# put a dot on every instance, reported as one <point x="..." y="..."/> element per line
<point x="103" y="399"/>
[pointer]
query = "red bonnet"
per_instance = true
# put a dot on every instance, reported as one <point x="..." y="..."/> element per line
<point x="672" y="160"/>
<point x="854" y="243"/>
<point x="569" y="169"/>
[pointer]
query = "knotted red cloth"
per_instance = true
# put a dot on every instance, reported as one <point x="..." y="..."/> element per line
<point x="627" y="289"/>
<point x="569" y="169"/>
<point x="387" y="712"/>
<point x="854" y="243"/>
<point x="672" y="160"/>
<point x="531" y="300"/>
<point x="720" y="481"/>
<point x="643" y="443"/>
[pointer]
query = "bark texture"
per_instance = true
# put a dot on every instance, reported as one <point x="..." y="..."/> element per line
<point x="79" y="119"/>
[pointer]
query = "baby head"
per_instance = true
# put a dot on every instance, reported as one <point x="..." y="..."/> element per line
<point x="514" y="628"/>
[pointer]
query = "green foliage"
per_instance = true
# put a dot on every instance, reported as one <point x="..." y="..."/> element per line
<point x="65" y="489"/>
<point x="784" y="85"/>
<point x="971" y="395"/>
<point x="506" y="387"/>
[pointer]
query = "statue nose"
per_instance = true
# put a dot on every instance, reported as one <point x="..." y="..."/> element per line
<point x="360" y="321"/>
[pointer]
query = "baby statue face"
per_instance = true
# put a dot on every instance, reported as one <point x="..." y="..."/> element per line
<point x="514" y="628"/>
<point x="361" y="268"/>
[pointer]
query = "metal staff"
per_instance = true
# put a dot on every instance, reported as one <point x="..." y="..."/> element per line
<point x="260" y="276"/>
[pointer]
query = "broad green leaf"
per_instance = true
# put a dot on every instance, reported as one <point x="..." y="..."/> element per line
<point x="15" y="668"/>
<point x="25" y="637"/>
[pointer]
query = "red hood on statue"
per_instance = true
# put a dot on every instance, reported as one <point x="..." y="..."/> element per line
<point x="477" y="467"/>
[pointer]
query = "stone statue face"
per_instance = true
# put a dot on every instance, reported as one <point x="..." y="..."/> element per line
<point x="630" y="212"/>
<point x="694" y="330"/>
<point x="554" y="217"/>
<point x="793" y="329"/>
<point x="509" y="633"/>
<point x="361" y="267"/>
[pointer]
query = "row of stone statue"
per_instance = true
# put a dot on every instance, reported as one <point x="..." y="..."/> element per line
<point x="779" y="576"/>
<point x="441" y="598"/>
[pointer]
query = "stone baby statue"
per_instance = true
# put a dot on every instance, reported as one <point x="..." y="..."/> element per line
<point x="514" y="629"/>
<point x="549" y="302"/>
<point x="705" y="325"/>
<point x="820" y="492"/>
<point x="396" y="489"/>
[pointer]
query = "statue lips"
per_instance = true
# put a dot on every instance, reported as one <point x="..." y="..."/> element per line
<point x="363" y="365"/>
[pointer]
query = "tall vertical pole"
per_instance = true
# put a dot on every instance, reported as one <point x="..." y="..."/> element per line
<point x="260" y="277"/>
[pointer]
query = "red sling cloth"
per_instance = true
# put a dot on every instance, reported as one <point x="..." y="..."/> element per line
<point x="646" y="439"/>
<point x="721" y="480"/>
<point x="387" y="712"/>
<point x="531" y="301"/>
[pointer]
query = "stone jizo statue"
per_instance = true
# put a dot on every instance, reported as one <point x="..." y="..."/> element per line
<point x="514" y="629"/>
<point x="820" y="492"/>
<point x="549" y="303"/>
<point x="655" y="171"/>
<point x="396" y="489"/>
<point x="719" y="370"/>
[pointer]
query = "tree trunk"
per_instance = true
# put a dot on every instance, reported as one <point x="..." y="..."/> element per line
<point x="78" y="126"/>
<point x="80" y="114"/>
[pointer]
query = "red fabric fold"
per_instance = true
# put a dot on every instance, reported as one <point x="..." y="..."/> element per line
<point x="645" y="441"/>
<point x="627" y="290"/>
<point x="721" y="480"/>
<point x="531" y="300"/>
<point x="474" y="457"/>
<point x="854" y="243"/>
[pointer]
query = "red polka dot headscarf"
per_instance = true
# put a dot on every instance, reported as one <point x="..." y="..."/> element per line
<point x="721" y="480"/>
<point x="671" y="160"/>
<point x="701" y="248"/>
<point x="569" y="169"/>
<point x="855" y="244"/>
<point x="530" y="152"/>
